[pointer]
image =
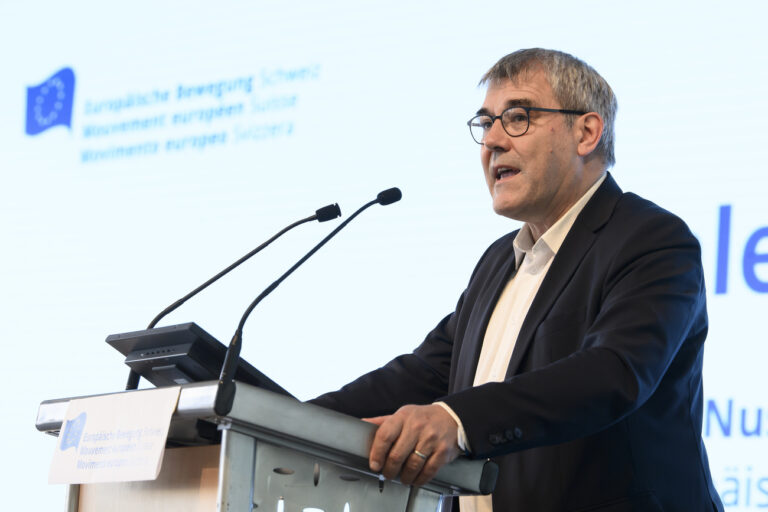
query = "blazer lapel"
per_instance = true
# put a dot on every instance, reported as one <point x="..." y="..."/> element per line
<point x="473" y="338"/>
<point x="575" y="246"/>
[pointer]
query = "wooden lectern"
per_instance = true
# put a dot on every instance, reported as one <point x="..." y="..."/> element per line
<point x="269" y="453"/>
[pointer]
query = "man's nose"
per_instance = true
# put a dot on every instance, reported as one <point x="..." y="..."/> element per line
<point x="496" y="138"/>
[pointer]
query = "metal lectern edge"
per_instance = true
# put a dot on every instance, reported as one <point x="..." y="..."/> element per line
<point x="286" y="420"/>
<point x="344" y="434"/>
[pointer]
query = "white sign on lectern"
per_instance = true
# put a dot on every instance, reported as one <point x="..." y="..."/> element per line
<point x="114" y="438"/>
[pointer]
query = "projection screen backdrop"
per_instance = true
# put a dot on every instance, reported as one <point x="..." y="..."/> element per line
<point x="146" y="145"/>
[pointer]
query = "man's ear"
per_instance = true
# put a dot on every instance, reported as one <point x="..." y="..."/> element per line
<point x="588" y="130"/>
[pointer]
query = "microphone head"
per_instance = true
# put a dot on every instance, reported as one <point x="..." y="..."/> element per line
<point x="389" y="196"/>
<point x="328" y="212"/>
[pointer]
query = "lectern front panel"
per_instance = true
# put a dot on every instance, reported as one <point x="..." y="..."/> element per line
<point x="187" y="482"/>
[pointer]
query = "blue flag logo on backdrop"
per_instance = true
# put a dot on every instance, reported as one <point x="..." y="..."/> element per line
<point x="72" y="432"/>
<point x="50" y="103"/>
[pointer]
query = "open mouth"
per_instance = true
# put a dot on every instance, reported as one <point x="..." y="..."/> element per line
<point x="506" y="172"/>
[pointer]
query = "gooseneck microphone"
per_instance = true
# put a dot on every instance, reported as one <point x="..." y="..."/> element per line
<point x="385" y="197"/>
<point x="226" y="389"/>
<point x="325" y="213"/>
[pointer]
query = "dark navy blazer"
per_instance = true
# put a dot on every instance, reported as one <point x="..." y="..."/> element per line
<point x="601" y="409"/>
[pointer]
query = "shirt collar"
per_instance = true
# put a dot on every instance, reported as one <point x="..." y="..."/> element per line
<point x="549" y="243"/>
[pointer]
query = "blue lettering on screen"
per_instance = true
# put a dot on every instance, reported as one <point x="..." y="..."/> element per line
<point x="208" y="115"/>
<point x="742" y="488"/>
<point x="746" y="422"/>
<point x="750" y="260"/>
<point x="155" y="97"/>
<point x="196" y="141"/>
<point x="113" y="152"/>
<point x="194" y="116"/>
<point x="723" y="242"/>
<point x="215" y="89"/>
<point x="123" y="127"/>
<point x="50" y="103"/>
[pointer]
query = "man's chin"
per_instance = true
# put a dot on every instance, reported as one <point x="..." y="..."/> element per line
<point x="506" y="210"/>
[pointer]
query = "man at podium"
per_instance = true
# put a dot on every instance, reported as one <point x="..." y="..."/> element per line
<point x="573" y="358"/>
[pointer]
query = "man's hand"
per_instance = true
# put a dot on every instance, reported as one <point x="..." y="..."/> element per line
<point x="427" y="430"/>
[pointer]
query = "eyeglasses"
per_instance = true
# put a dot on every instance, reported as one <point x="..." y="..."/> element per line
<point x="514" y="120"/>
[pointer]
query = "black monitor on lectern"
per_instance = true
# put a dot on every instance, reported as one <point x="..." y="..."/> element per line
<point x="181" y="354"/>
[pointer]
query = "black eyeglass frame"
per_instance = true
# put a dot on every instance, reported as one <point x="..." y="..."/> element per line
<point x="527" y="115"/>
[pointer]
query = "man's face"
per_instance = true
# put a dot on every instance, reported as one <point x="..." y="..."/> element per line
<point x="533" y="178"/>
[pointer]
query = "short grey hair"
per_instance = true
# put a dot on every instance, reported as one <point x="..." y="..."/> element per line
<point x="575" y="84"/>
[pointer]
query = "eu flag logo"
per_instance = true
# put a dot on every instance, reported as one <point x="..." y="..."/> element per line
<point x="72" y="432"/>
<point x="50" y="103"/>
